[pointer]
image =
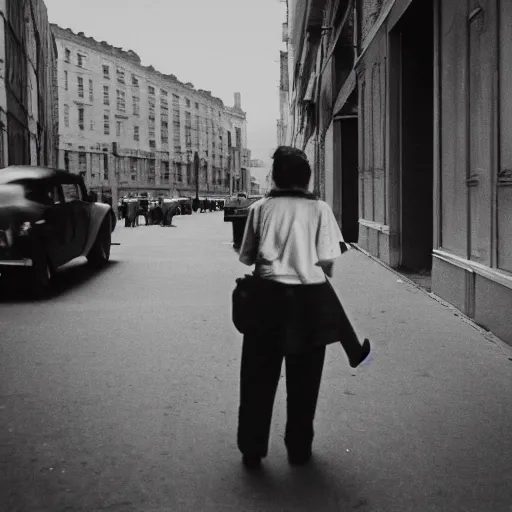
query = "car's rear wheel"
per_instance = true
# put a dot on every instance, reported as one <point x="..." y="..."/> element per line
<point x="100" y="251"/>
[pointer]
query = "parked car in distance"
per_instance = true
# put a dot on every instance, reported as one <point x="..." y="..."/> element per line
<point x="47" y="219"/>
<point x="172" y="206"/>
<point x="236" y="210"/>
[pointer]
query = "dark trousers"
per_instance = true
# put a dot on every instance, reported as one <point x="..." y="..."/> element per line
<point x="260" y="372"/>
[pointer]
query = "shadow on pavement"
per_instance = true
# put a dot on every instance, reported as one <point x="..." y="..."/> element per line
<point x="312" y="487"/>
<point x="70" y="277"/>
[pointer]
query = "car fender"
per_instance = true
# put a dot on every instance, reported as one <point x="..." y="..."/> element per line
<point x="99" y="212"/>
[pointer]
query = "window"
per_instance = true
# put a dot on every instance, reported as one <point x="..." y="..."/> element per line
<point x="106" y="72"/>
<point x="71" y="192"/>
<point x="68" y="55"/>
<point x="106" y="124"/>
<point x="66" y="81"/>
<point x="164" y="172"/>
<point x="187" y="102"/>
<point x="81" y="118"/>
<point x="105" y="166"/>
<point x="151" y="129"/>
<point x="136" y="105"/>
<point x="163" y="93"/>
<point x="106" y="95"/>
<point x="151" y="171"/>
<point x="135" y="81"/>
<point x="188" y="130"/>
<point x="66" y="160"/>
<point x="120" y="76"/>
<point x="91" y="91"/>
<point x="82" y="163"/>
<point x="121" y="101"/>
<point x="197" y="106"/>
<point x="164" y="105"/>
<point x="152" y="144"/>
<point x="165" y="136"/>
<point x="133" y="168"/>
<point x="80" y="87"/>
<point x="66" y="116"/>
<point x="151" y="103"/>
<point x="151" y="90"/>
<point x="80" y="60"/>
<point x="136" y="133"/>
<point x="119" y="128"/>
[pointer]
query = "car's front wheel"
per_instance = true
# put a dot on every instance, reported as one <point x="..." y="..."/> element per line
<point x="100" y="251"/>
<point x="36" y="280"/>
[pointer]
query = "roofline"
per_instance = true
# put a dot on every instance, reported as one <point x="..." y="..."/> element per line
<point x="134" y="59"/>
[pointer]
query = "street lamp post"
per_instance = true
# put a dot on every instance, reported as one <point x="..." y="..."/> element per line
<point x="230" y="172"/>
<point x="114" y="181"/>
<point x="196" y="173"/>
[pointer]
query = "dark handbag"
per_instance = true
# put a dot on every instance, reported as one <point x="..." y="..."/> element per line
<point x="244" y="303"/>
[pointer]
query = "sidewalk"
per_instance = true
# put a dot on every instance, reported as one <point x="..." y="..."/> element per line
<point x="427" y="424"/>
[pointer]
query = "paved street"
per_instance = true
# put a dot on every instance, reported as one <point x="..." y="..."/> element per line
<point x="120" y="393"/>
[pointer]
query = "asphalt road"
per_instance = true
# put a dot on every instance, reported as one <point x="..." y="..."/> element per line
<point x="120" y="393"/>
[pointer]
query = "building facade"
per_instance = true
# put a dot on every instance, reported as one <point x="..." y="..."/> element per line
<point x="28" y="91"/>
<point x="128" y="128"/>
<point x="404" y="107"/>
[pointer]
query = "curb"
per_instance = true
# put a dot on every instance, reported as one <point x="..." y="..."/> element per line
<point x="488" y="335"/>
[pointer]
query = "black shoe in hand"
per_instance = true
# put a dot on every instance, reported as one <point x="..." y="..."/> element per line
<point x="365" y="351"/>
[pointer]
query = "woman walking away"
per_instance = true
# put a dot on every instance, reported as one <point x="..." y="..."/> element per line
<point x="292" y="239"/>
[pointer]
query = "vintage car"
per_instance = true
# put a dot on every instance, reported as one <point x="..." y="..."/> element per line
<point x="184" y="205"/>
<point x="47" y="218"/>
<point x="172" y="206"/>
<point x="236" y="210"/>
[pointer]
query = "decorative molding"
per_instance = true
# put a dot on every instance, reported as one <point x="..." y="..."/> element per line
<point x="346" y="90"/>
<point x="477" y="11"/>
<point x="505" y="178"/>
<point x="492" y="274"/>
<point x="377" y="226"/>
<point x="474" y="178"/>
<point x="383" y="15"/>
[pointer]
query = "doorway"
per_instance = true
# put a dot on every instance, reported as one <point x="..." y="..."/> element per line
<point x="346" y="177"/>
<point x="414" y="35"/>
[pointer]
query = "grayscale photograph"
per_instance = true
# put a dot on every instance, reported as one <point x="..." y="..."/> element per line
<point x="256" y="256"/>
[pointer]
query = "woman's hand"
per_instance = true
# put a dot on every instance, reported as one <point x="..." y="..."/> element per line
<point x="327" y="267"/>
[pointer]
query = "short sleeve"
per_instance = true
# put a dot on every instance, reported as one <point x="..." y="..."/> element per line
<point x="249" y="248"/>
<point x="328" y="236"/>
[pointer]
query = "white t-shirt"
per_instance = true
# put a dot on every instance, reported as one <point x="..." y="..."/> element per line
<point x="286" y="237"/>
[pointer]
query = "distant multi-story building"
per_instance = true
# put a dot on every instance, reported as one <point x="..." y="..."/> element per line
<point x="127" y="127"/>
<point x="28" y="88"/>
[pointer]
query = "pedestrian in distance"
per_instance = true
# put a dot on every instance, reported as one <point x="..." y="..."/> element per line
<point x="291" y="313"/>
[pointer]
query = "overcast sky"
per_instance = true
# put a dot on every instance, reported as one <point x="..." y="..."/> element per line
<point x="222" y="46"/>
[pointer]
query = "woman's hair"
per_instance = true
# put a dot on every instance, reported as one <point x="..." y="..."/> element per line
<point x="290" y="168"/>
